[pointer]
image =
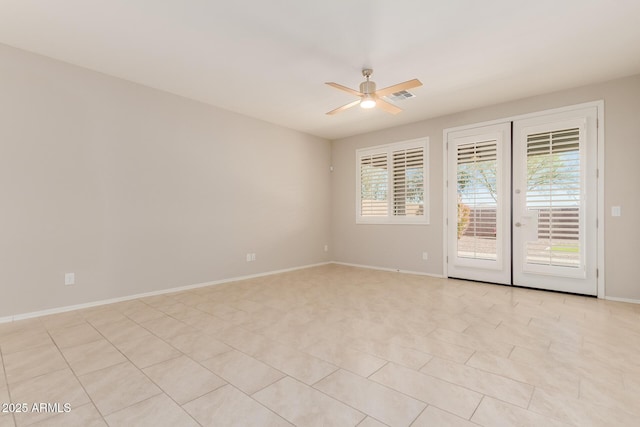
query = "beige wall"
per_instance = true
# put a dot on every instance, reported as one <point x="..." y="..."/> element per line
<point x="401" y="246"/>
<point x="136" y="190"/>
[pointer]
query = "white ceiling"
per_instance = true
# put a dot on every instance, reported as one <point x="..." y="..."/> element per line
<point x="270" y="59"/>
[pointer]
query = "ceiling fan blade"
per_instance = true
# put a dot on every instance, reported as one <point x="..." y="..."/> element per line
<point x="344" y="107"/>
<point x="389" y="108"/>
<point x="410" y="84"/>
<point x="344" y="88"/>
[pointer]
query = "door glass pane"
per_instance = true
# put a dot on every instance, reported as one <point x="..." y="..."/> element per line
<point x="477" y="200"/>
<point x="553" y="198"/>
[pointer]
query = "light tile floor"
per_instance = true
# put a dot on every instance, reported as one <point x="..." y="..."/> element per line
<point x="329" y="346"/>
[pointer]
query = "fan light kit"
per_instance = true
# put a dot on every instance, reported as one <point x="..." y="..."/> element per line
<point x="368" y="101"/>
<point x="368" y="95"/>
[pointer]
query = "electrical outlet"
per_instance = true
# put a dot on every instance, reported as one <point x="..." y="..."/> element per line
<point x="70" y="278"/>
<point x="425" y="256"/>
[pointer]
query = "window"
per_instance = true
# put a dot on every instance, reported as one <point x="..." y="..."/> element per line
<point x="391" y="183"/>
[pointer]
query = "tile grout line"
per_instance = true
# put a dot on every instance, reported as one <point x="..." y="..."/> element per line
<point x="461" y="386"/>
<point x="419" y="414"/>
<point x="141" y="371"/>
<point x="341" y="401"/>
<point x="74" y="374"/>
<point x="260" y="403"/>
<point x="6" y="383"/>
<point x="108" y="367"/>
<point x="477" y="406"/>
<point x="374" y="372"/>
<point x="531" y="397"/>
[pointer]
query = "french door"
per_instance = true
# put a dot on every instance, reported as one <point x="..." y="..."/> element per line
<point x="522" y="202"/>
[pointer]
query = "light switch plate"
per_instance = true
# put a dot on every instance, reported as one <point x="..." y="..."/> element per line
<point x="616" y="211"/>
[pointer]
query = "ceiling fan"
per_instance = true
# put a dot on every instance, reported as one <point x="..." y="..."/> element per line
<point x="370" y="97"/>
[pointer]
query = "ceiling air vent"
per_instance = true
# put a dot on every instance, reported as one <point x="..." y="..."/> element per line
<point x="400" y="96"/>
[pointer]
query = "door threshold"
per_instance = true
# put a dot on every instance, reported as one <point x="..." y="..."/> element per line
<point x="524" y="287"/>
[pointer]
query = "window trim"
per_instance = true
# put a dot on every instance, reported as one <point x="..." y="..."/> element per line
<point x="388" y="149"/>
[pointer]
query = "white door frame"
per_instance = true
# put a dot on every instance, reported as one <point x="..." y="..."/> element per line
<point x="601" y="173"/>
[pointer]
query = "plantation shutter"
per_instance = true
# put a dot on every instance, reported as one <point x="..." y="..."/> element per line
<point x="391" y="185"/>
<point x="374" y="185"/>
<point x="477" y="172"/>
<point x="408" y="182"/>
<point x="554" y="190"/>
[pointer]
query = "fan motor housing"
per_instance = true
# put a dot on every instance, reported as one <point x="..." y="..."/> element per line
<point x="368" y="87"/>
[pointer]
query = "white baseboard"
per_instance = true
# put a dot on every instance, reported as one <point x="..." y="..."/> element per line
<point x="629" y="300"/>
<point x="149" y="294"/>
<point x="395" y="270"/>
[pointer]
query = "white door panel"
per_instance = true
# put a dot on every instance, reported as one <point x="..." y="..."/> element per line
<point x="555" y="203"/>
